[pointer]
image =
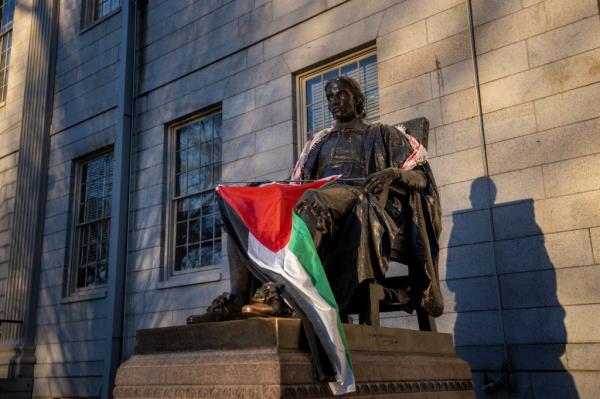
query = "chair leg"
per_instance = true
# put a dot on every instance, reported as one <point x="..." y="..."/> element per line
<point x="370" y="315"/>
<point x="426" y="322"/>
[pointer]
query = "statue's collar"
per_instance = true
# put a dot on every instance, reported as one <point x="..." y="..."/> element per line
<point x="354" y="124"/>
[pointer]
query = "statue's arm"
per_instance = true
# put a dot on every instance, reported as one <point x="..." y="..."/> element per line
<point x="412" y="179"/>
<point x="398" y="149"/>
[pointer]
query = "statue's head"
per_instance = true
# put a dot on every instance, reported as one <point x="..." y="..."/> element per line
<point x="345" y="99"/>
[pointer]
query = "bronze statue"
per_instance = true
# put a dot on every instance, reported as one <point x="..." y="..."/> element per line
<point x="354" y="222"/>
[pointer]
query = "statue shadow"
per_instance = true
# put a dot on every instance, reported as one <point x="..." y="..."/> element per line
<point x="531" y="364"/>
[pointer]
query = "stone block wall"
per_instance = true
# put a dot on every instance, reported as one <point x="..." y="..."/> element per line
<point x="519" y="254"/>
<point x="546" y="208"/>
<point x="520" y="257"/>
<point x="538" y="71"/>
<point x="70" y="338"/>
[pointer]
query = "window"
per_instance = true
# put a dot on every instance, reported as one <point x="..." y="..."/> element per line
<point x="313" y="111"/>
<point x="7" y="11"/>
<point x="92" y="222"/>
<point x="195" y="235"/>
<point x="94" y="10"/>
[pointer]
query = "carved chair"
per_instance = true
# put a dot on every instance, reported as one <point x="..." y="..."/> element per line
<point x="406" y="298"/>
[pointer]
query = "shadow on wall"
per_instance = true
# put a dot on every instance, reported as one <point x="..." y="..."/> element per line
<point x="535" y="333"/>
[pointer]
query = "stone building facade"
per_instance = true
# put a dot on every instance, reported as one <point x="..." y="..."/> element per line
<point x="120" y="115"/>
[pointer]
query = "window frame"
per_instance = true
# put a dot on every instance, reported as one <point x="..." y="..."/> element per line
<point x="303" y="77"/>
<point x="201" y="274"/>
<point x="87" y="24"/>
<point x="74" y="293"/>
<point x="6" y="34"/>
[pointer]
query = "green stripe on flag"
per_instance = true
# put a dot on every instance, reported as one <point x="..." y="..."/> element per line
<point x="302" y="246"/>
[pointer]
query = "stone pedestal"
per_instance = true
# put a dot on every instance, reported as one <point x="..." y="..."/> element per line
<point x="268" y="358"/>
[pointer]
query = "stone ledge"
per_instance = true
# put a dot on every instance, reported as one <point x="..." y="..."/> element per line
<point x="268" y="358"/>
<point x="281" y="334"/>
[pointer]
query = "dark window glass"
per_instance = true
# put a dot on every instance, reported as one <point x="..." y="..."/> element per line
<point x="7" y="11"/>
<point x="94" y="10"/>
<point x="93" y="221"/>
<point x="197" y="235"/>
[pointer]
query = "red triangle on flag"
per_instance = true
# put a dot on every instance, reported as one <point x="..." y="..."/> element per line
<point x="267" y="210"/>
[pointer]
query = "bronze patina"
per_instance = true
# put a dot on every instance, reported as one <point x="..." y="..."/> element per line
<point x="380" y="206"/>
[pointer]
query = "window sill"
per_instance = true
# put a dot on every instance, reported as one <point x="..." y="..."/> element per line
<point x="199" y="277"/>
<point x="87" y="295"/>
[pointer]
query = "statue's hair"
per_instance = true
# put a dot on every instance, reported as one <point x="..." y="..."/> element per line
<point x="359" y="97"/>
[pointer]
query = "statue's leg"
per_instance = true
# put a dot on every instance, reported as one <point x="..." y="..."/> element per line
<point x="326" y="212"/>
<point x="352" y="235"/>
<point x="323" y="209"/>
<point x="243" y="283"/>
<point x="228" y="306"/>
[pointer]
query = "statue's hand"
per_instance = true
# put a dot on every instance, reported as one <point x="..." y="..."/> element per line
<point x="378" y="181"/>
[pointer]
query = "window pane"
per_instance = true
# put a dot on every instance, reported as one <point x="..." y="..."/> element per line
<point x="209" y="204"/>
<point x="207" y="253"/>
<point x="180" y="257"/>
<point x="93" y="229"/>
<point x="368" y="81"/>
<point x="329" y="75"/>
<point x="181" y="234"/>
<point x="8" y="12"/>
<point x="216" y="153"/>
<point x="350" y="70"/>
<point x="106" y="7"/>
<point x="205" y="154"/>
<point x="182" y="139"/>
<point x="194" y="181"/>
<point x="205" y="178"/>
<point x="207" y="228"/>
<point x="101" y="274"/>
<point x="217" y="252"/>
<point x="96" y="9"/>
<point x="216" y="128"/>
<point x="314" y="90"/>
<point x="90" y="276"/>
<point x="182" y="209"/>
<point x="181" y="184"/>
<point x="195" y="208"/>
<point x="81" y="277"/>
<point x="206" y="130"/>
<point x="194" y="230"/>
<point x="115" y="4"/>
<point x="193" y="257"/>
<point x="181" y="162"/>
<point x="193" y="134"/>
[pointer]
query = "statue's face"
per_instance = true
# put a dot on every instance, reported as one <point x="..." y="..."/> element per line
<point x="340" y="102"/>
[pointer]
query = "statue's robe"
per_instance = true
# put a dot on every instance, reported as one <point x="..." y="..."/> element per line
<point x="353" y="232"/>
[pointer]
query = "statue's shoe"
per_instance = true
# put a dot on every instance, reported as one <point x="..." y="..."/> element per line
<point x="224" y="307"/>
<point x="260" y="309"/>
<point x="267" y="302"/>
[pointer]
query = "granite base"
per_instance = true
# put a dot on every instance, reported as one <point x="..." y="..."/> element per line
<point x="269" y="358"/>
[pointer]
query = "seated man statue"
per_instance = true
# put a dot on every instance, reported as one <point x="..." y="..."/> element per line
<point x="386" y="194"/>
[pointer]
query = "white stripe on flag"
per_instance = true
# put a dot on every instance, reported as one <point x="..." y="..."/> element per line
<point x="287" y="265"/>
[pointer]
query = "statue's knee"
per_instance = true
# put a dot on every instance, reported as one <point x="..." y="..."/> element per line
<point x="309" y="196"/>
<point x="307" y="201"/>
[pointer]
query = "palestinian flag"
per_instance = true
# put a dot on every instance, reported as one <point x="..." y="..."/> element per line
<point x="280" y="248"/>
